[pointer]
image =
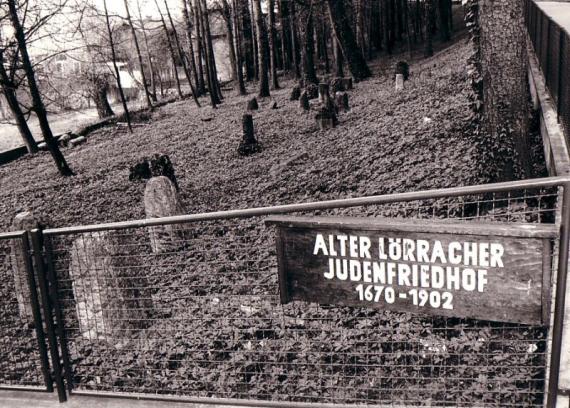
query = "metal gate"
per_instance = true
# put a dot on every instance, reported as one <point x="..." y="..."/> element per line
<point x="199" y="319"/>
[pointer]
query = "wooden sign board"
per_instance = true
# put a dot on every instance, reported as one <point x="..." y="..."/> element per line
<point x="490" y="271"/>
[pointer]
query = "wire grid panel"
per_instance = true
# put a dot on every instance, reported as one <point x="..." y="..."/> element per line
<point x="20" y="364"/>
<point x="193" y="310"/>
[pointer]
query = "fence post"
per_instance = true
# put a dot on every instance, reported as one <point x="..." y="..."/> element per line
<point x="44" y="284"/>
<point x="560" y="73"/>
<point x="52" y="277"/>
<point x="559" y="307"/>
<point x="36" y="312"/>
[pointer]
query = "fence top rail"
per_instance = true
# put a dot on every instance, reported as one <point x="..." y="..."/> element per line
<point x="12" y="235"/>
<point x="322" y="205"/>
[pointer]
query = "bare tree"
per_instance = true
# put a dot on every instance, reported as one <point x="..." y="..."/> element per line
<point x="261" y="50"/>
<point x="37" y="102"/>
<point x="272" y="44"/>
<point x="139" y="56"/>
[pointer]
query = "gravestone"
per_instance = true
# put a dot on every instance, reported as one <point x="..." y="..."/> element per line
<point x="324" y="95"/>
<point x="252" y="104"/>
<point x="399" y="82"/>
<point x="312" y="91"/>
<point x="304" y="101"/>
<point x="249" y="144"/>
<point x="341" y="101"/>
<point x="111" y="292"/>
<point x="295" y="93"/>
<point x="161" y="200"/>
<point x="24" y="221"/>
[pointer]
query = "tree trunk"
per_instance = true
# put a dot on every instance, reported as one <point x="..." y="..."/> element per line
<point x="139" y="56"/>
<point x="272" y="45"/>
<point x="504" y="69"/>
<point x="239" y="51"/>
<point x="285" y="34"/>
<point x="294" y="40"/>
<point x="429" y="28"/>
<point x="149" y="57"/>
<point x="99" y="90"/>
<point x="9" y="92"/>
<point x="356" y="63"/>
<point x="188" y="25"/>
<point x="214" y="100"/>
<point x="261" y="50"/>
<point x="210" y="47"/>
<point x="38" y="105"/>
<point x="198" y="18"/>
<point x="443" y="13"/>
<point x="308" y="51"/>
<point x="227" y="15"/>
<point x="171" y="50"/>
<point x="181" y="55"/>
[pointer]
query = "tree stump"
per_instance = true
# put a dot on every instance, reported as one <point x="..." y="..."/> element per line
<point x="252" y="104"/>
<point x="155" y="166"/>
<point x="304" y="101"/>
<point x="399" y="82"/>
<point x="111" y="291"/>
<point x="161" y="200"/>
<point x="295" y="93"/>
<point x="337" y="85"/>
<point x="249" y="144"/>
<point x="24" y="221"/>
<point x="341" y="102"/>
<point x="324" y="95"/>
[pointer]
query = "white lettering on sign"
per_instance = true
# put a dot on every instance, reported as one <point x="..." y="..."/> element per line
<point x="431" y="271"/>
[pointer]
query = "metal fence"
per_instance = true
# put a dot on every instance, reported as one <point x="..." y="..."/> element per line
<point x="187" y="308"/>
<point x="552" y="47"/>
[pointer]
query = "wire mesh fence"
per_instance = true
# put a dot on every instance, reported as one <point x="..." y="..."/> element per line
<point x="193" y="309"/>
<point x="552" y="47"/>
<point x="20" y="361"/>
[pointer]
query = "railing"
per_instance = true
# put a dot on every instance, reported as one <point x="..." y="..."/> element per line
<point x="552" y="46"/>
<point x="187" y="308"/>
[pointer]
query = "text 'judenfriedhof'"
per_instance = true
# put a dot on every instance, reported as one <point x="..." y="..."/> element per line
<point x="423" y="272"/>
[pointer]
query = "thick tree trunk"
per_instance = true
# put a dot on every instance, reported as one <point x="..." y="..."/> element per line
<point x="239" y="50"/>
<point x="262" y="53"/>
<point x="285" y="34"/>
<point x="356" y="63"/>
<point x="272" y="45"/>
<point x="99" y="89"/>
<point x="338" y="60"/>
<point x="227" y="15"/>
<point x="294" y="40"/>
<point x="38" y="105"/>
<point x="9" y="92"/>
<point x="198" y="18"/>
<point x="188" y="24"/>
<point x="212" y="87"/>
<point x="428" y="52"/>
<point x="139" y="56"/>
<point x="443" y="13"/>
<point x="504" y="68"/>
<point x="308" y="51"/>
<point x="249" y="51"/>
<point x="210" y="47"/>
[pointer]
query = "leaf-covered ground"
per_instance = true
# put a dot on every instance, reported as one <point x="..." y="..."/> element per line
<point x="217" y="328"/>
<point x="388" y="142"/>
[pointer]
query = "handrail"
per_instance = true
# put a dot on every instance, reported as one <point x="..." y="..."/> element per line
<point x="322" y="205"/>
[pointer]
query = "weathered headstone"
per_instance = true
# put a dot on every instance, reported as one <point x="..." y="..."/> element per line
<point x="295" y="93"/>
<point x="161" y="200"/>
<point x="399" y="82"/>
<point x="324" y="94"/>
<point x="249" y="144"/>
<point x="326" y="118"/>
<point x="111" y="291"/>
<point x="252" y="104"/>
<point x="24" y="221"/>
<point x="341" y="101"/>
<point x="304" y="101"/>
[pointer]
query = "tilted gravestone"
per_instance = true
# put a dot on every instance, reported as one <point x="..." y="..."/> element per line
<point x="24" y="221"/>
<point x="161" y="200"/>
<point x="111" y="292"/>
